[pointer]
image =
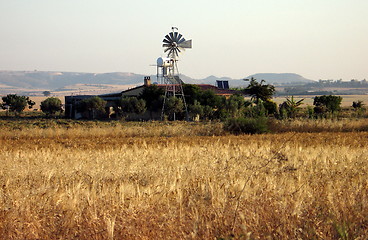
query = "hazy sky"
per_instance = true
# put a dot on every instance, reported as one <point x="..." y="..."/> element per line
<point x="319" y="39"/>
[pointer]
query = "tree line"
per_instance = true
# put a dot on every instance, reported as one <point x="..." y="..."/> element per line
<point x="201" y="104"/>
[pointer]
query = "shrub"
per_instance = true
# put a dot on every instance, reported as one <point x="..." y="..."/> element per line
<point x="358" y="104"/>
<point x="255" y="111"/>
<point x="246" y="125"/>
<point x="270" y="106"/>
<point x="326" y="103"/>
<point x="51" y="106"/>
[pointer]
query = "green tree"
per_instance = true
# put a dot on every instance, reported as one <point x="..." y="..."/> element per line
<point x="195" y="110"/>
<point x="209" y="98"/>
<point x="94" y="105"/>
<point x="358" y="105"/>
<point x="16" y="104"/>
<point x="132" y="105"/>
<point x="235" y="105"/>
<point x="174" y="106"/>
<point x="327" y="103"/>
<point x="51" y="106"/>
<point x="259" y="90"/>
<point x="214" y="105"/>
<point x="271" y="107"/>
<point x="153" y="96"/>
<point x="253" y="110"/>
<point x="46" y="93"/>
<point x="192" y="93"/>
<point x="208" y="112"/>
<point x="290" y="107"/>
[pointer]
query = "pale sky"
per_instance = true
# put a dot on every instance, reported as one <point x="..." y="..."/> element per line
<point x="318" y="39"/>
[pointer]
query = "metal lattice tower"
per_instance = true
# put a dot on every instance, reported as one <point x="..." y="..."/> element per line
<point x="167" y="68"/>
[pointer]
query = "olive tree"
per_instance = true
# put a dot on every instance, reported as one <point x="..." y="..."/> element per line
<point x="94" y="105"/>
<point x="16" y="104"/>
<point x="174" y="106"/>
<point x="131" y="105"/>
<point x="51" y="106"/>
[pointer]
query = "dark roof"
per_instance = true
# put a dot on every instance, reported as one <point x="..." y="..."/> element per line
<point x="203" y="87"/>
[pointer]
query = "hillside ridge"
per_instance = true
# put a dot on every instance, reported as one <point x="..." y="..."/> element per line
<point x="20" y="81"/>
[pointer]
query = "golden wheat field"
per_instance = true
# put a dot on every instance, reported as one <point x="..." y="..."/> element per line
<point x="182" y="181"/>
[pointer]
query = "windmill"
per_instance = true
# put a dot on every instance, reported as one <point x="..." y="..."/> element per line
<point x="167" y="68"/>
<point x="175" y="43"/>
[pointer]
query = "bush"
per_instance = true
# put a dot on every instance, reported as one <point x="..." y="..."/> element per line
<point x="271" y="107"/>
<point x="255" y="111"/>
<point x="326" y="103"/>
<point x="246" y="125"/>
<point x="51" y="106"/>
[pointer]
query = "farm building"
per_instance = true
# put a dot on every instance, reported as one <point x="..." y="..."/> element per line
<point x="71" y="102"/>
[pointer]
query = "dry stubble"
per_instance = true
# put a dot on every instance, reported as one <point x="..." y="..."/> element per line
<point x="69" y="184"/>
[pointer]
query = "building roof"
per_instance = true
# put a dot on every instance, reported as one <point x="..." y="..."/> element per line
<point x="204" y="87"/>
<point x="137" y="90"/>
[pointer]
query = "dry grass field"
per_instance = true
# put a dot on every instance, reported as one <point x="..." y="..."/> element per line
<point x="181" y="181"/>
<point x="347" y="100"/>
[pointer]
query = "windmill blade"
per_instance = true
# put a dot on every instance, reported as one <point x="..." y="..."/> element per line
<point x="168" y="38"/>
<point x="166" y="45"/>
<point x="173" y="53"/>
<point x="176" y="52"/>
<point x="166" y="41"/>
<point x="185" y="44"/>
<point x="179" y="38"/>
<point x="168" y="49"/>
<point x="175" y="37"/>
<point x="172" y="37"/>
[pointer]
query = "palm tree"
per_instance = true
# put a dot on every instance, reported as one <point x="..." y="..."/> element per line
<point x="292" y="106"/>
<point x="259" y="90"/>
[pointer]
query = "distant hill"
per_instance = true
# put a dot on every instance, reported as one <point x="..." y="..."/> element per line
<point x="271" y="78"/>
<point x="281" y="78"/>
<point x="19" y="81"/>
<point x="55" y="80"/>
